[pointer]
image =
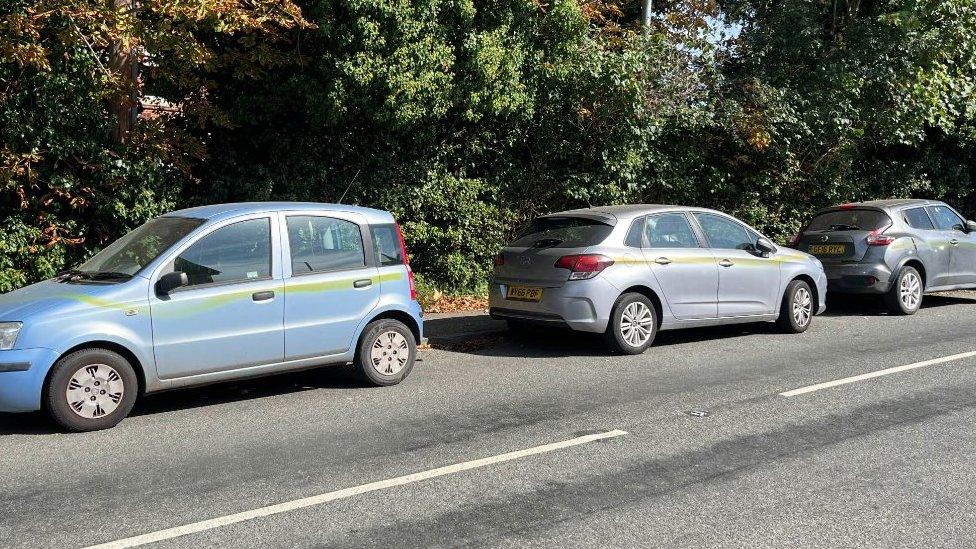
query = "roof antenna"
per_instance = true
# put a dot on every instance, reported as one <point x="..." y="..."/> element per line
<point x="341" y="198"/>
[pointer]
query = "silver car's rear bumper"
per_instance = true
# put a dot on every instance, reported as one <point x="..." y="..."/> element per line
<point x="582" y="305"/>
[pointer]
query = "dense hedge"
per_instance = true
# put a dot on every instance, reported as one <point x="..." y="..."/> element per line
<point x="466" y="118"/>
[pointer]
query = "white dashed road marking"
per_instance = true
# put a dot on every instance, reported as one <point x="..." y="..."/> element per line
<point x="320" y="499"/>
<point x="879" y="373"/>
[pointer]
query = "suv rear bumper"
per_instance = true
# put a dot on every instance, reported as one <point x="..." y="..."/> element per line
<point x="858" y="278"/>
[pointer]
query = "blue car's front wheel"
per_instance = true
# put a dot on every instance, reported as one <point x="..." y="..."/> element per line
<point x="91" y="389"/>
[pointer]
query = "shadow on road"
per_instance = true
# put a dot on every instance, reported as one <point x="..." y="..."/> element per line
<point x="326" y="377"/>
<point x="873" y="305"/>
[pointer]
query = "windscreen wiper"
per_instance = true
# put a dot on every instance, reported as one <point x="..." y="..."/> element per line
<point x="844" y="227"/>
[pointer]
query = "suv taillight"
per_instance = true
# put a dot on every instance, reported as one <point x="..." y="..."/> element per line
<point x="795" y="240"/>
<point x="406" y="262"/>
<point x="878" y="238"/>
<point x="584" y="266"/>
<point x="499" y="259"/>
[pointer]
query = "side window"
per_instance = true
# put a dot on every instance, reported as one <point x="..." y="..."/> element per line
<point x="670" y="231"/>
<point x="945" y="219"/>
<point x="324" y="244"/>
<point x="723" y="233"/>
<point x="235" y="253"/>
<point x="635" y="235"/>
<point x="387" y="245"/>
<point x="917" y="218"/>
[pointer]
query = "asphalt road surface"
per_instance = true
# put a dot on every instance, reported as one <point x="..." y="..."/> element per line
<point x="714" y="454"/>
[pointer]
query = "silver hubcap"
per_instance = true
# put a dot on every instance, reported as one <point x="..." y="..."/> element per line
<point x="802" y="306"/>
<point x="95" y="391"/>
<point x="636" y="324"/>
<point x="390" y="353"/>
<point x="910" y="290"/>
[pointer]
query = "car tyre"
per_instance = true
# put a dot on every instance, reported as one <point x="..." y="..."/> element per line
<point x="386" y="353"/>
<point x="905" y="295"/>
<point x="798" y="308"/>
<point x="91" y="390"/>
<point x="633" y="325"/>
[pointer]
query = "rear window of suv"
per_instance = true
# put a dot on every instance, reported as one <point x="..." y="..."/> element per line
<point x="849" y="220"/>
<point x="563" y="232"/>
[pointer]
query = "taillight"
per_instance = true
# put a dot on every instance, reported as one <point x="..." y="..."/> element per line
<point x="878" y="238"/>
<point x="795" y="240"/>
<point x="584" y="266"/>
<point x="406" y="262"/>
<point x="499" y="259"/>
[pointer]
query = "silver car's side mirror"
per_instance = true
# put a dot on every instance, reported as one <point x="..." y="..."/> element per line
<point x="970" y="227"/>
<point x="765" y="246"/>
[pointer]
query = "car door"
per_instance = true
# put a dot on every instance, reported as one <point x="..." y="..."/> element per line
<point x="230" y="314"/>
<point x="932" y="245"/>
<point x="748" y="283"/>
<point x="331" y="283"/>
<point x="961" y="245"/>
<point x="685" y="270"/>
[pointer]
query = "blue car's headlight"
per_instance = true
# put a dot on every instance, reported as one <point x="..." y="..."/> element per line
<point x="8" y="334"/>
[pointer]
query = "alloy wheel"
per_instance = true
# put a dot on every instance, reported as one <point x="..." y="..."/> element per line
<point x="637" y="324"/>
<point x="910" y="290"/>
<point x="390" y="353"/>
<point x="802" y="307"/>
<point x="95" y="391"/>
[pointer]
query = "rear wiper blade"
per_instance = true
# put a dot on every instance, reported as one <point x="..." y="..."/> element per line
<point x="547" y="243"/>
<point x="844" y="227"/>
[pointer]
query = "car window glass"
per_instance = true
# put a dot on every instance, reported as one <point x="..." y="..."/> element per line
<point x="563" y="232"/>
<point x="324" y="244"/>
<point x="636" y="234"/>
<point x="723" y="233"/>
<point x="237" y="252"/>
<point x="849" y="220"/>
<point x="917" y="218"/>
<point x="670" y="231"/>
<point x="387" y="245"/>
<point x="945" y="219"/>
<point x="141" y="246"/>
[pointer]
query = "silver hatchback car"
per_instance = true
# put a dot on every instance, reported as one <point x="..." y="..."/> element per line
<point x="629" y="271"/>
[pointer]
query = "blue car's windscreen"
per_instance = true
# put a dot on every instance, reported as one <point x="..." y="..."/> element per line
<point x="129" y="254"/>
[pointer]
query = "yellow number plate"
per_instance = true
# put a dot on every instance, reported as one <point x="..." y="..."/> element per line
<point x="827" y="249"/>
<point x="524" y="293"/>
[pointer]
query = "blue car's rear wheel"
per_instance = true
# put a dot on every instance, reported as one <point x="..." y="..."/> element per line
<point x="386" y="352"/>
<point x="91" y="389"/>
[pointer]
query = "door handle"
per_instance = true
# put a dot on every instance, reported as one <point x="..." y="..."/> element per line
<point x="726" y="263"/>
<point x="954" y="242"/>
<point x="662" y="261"/>
<point x="364" y="283"/>
<point x="262" y="296"/>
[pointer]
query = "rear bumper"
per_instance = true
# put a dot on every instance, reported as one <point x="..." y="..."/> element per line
<point x="858" y="278"/>
<point x="582" y="305"/>
<point x="22" y="374"/>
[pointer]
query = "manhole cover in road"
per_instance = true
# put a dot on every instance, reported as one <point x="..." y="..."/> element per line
<point x="698" y="413"/>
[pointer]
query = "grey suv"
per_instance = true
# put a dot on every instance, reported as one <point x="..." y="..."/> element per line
<point x="629" y="271"/>
<point x="899" y="248"/>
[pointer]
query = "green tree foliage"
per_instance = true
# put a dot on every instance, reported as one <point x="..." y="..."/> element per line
<point x="468" y="117"/>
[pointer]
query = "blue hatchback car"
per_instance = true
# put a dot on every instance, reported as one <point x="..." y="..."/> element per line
<point x="211" y="294"/>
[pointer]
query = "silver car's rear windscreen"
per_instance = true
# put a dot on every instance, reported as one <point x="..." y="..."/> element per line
<point x="563" y="232"/>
